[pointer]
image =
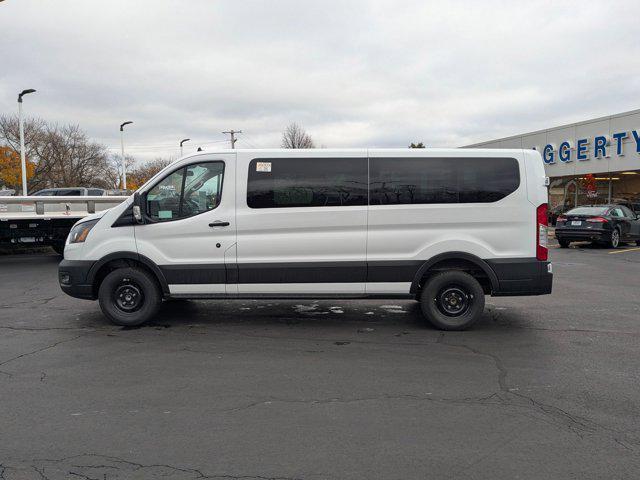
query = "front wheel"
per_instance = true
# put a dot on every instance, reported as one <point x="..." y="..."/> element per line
<point x="129" y="296"/>
<point x="452" y="300"/>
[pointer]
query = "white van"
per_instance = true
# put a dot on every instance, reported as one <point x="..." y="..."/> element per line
<point x="442" y="226"/>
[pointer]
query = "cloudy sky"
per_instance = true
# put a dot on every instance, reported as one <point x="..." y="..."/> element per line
<point x="353" y="73"/>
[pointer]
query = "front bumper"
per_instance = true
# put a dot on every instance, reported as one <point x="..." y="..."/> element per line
<point x="72" y="275"/>
<point x="521" y="276"/>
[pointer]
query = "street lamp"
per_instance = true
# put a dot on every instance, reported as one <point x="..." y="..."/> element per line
<point x="181" y="142"/>
<point x="22" y="153"/>
<point x="124" y="167"/>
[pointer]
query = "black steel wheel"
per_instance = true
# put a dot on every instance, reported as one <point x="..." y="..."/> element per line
<point x="452" y="300"/>
<point x="129" y="296"/>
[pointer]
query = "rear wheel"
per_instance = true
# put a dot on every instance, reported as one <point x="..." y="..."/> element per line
<point x="614" y="241"/>
<point x="564" y="243"/>
<point x="129" y="296"/>
<point x="452" y="300"/>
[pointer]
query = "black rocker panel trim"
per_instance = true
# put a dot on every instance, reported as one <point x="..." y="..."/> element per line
<point x="303" y="272"/>
<point x="512" y="276"/>
<point x="192" y="274"/>
<point x="393" y="271"/>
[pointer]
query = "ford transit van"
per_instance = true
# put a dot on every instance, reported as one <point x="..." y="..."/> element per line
<point x="443" y="226"/>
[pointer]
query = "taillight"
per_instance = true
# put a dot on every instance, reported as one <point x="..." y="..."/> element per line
<point x="561" y="219"/>
<point x="597" y="220"/>
<point x="542" y="252"/>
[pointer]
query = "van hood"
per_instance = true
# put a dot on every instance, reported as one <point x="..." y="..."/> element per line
<point x="94" y="216"/>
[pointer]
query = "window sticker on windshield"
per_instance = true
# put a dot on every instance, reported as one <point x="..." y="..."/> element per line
<point x="165" y="214"/>
<point x="263" y="166"/>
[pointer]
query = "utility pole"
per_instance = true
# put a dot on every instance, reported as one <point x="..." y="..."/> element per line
<point x="233" y="138"/>
<point x="22" y="153"/>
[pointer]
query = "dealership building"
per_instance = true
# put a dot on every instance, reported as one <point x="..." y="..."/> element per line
<point x="591" y="162"/>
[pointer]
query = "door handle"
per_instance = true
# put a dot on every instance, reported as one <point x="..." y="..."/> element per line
<point x="219" y="224"/>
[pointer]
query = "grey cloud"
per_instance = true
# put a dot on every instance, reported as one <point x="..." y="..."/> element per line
<point x="354" y="73"/>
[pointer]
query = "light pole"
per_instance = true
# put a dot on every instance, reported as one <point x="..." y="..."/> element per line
<point x="22" y="153"/>
<point x="181" y="142"/>
<point x="124" y="163"/>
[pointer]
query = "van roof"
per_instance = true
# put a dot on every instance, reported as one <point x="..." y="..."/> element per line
<point x="461" y="151"/>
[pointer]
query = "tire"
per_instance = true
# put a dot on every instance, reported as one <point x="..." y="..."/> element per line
<point x="58" y="248"/>
<point x="614" y="241"/>
<point x="564" y="243"/>
<point x="638" y="243"/>
<point x="452" y="300"/>
<point x="129" y="296"/>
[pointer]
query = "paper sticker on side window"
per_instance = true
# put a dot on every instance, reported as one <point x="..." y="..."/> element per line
<point x="165" y="214"/>
<point x="263" y="166"/>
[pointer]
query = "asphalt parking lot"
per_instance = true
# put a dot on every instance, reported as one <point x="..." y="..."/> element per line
<point x="543" y="387"/>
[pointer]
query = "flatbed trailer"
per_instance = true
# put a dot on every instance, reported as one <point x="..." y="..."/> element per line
<point x="42" y="220"/>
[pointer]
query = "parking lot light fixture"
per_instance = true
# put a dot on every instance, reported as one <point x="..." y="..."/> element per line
<point x="124" y="163"/>
<point x="23" y="160"/>
<point x="182" y="142"/>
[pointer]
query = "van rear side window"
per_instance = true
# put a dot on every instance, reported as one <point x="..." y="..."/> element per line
<point x="411" y="180"/>
<point x="307" y="182"/>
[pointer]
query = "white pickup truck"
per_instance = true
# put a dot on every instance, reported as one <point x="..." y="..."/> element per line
<point x="46" y="220"/>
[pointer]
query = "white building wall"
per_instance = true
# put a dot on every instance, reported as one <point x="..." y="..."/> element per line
<point x="552" y="139"/>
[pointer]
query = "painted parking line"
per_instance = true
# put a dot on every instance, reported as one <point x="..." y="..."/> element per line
<point x="626" y="250"/>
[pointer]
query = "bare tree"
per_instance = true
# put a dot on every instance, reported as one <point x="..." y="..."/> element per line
<point x="34" y="130"/>
<point x="294" y="136"/>
<point x="138" y="175"/>
<point x="63" y="156"/>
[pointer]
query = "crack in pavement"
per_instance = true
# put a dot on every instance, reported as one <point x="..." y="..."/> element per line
<point x="53" y="345"/>
<point x="120" y="468"/>
<point x="53" y="329"/>
<point x="575" y="423"/>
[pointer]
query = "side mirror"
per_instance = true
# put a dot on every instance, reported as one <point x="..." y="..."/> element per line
<point x="137" y="210"/>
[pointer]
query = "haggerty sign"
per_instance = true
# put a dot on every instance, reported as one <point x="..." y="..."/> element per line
<point x="602" y="147"/>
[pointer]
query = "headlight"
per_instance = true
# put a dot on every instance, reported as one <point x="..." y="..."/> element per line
<point x="79" y="232"/>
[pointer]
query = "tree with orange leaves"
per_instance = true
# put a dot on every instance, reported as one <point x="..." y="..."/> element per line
<point x="10" y="169"/>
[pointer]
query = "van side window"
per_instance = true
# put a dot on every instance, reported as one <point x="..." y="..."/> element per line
<point x="189" y="191"/>
<point x="307" y="182"/>
<point x="441" y="180"/>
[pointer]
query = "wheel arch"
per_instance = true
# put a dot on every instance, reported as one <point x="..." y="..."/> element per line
<point x="116" y="259"/>
<point x="454" y="261"/>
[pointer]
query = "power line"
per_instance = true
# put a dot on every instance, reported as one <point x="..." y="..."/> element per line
<point x="248" y="140"/>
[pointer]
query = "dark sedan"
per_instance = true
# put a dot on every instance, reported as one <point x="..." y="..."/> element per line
<point x="607" y="224"/>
